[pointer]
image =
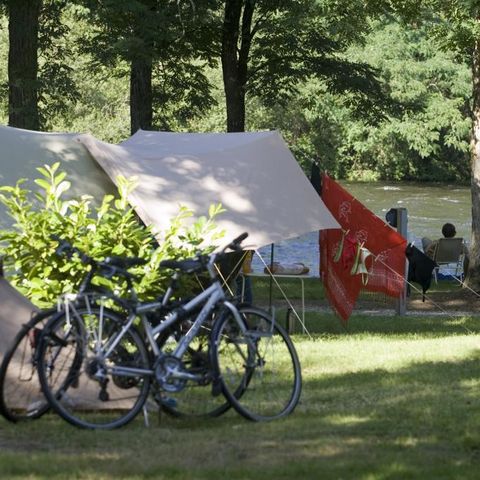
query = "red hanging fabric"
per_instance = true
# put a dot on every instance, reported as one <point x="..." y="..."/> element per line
<point x="340" y="252"/>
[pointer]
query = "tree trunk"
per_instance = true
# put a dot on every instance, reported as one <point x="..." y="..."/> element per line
<point x="23" y="63"/>
<point x="234" y="92"/>
<point x="141" y="109"/>
<point x="473" y="277"/>
<point x="235" y="59"/>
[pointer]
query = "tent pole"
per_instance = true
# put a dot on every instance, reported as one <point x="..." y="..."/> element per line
<point x="270" y="296"/>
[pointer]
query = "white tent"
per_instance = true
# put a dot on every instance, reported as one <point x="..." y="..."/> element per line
<point x="253" y="175"/>
<point x="23" y="151"/>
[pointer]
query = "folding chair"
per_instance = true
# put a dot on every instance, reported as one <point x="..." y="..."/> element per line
<point x="449" y="251"/>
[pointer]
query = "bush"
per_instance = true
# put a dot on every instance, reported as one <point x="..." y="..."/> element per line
<point x="112" y="228"/>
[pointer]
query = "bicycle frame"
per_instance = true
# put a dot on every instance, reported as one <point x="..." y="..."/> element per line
<point x="209" y="298"/>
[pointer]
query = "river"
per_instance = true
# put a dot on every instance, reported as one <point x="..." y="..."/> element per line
<point x="428" y="206"/>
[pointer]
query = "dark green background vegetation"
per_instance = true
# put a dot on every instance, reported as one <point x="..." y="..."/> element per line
<point x="365" y="96"/>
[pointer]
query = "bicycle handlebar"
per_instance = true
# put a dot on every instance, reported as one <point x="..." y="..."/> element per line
<point x="67" y="249"/>
<point x="202" y="261"/>
<point x="235" y="244"/>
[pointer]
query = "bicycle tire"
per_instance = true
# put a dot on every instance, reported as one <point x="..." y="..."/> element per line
<point x="197" y="399"/>
<point x="21" y="396"/>
<point x="83" y="391"/>
<point x="257" y="353"/>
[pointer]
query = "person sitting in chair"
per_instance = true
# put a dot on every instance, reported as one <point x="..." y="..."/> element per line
<point x="448" y="231"/>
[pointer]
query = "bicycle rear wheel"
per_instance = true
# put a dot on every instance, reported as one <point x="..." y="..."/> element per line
<point x="21" y="396"/>
<point x="201" y="398"/>
<point x="257" y="364"/>
<point x="82" y="387"/>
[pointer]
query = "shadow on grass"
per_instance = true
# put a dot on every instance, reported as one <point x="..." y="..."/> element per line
<point x="423" y="418"/>
<point x="419" y="421"/>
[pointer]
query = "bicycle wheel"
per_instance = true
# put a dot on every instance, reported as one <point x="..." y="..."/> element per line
<point x="82" y="387"/>
<point x="198" y="398"/>
<point x="21" y="397"/>
<point x="258" y="354"/>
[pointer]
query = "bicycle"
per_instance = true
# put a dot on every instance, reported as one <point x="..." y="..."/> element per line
<point x="19" y="363"/>
<point x="21" y="397"/>
<point x="91" y="358"/>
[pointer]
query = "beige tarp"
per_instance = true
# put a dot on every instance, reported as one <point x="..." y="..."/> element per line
<point x="23" y="151"/>
<point x="15" y="311"/>
<point x="253" y="175"/>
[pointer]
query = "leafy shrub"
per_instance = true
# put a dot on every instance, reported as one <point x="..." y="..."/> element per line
<point x="112" y="228"/>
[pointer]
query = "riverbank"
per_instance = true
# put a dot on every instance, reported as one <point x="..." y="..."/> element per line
<point x="446" y="298"/>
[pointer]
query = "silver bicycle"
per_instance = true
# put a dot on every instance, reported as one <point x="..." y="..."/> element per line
<point x="96" y="367"/>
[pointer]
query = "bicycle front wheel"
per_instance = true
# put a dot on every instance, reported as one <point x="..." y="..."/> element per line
<point x="257" y="364"/>
<point x="82" y="386"/>
<point x="21" y="396"/>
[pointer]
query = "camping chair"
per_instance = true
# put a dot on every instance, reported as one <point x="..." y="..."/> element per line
<point x="447" y="252"/>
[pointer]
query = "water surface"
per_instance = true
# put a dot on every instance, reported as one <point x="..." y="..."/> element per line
<point x="428" y="206"/>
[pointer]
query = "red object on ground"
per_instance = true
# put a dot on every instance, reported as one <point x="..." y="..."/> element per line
<point x="360" y="227"/>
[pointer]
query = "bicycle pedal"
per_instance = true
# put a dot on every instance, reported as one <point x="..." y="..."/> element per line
<point x="169" y="402"/>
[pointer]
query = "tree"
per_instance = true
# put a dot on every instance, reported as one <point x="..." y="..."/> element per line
<point x="23" y="29"/>
<point x="39" y="78"/>
<point x="270" y="46"/>
<point x="159" y="40"/>
<point x="456" y="27"/>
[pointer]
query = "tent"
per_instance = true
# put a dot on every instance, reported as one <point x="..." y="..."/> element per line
<point x="23" y="151"/>
<point x="254" y="175"/>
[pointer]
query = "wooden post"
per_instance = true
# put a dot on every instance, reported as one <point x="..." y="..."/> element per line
<point x="402" y="229"/>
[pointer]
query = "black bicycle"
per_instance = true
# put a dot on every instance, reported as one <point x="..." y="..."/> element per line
<point x="21" y="397"/>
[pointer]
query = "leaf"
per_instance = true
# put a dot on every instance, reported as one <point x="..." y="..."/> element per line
<point x="63" y="187"/>
<point x="44" y="172"/>
<point x="43" y="183"/>
<point x="59" y="177"/>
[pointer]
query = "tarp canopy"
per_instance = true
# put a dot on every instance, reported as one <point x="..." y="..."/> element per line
<point x="253" y="175"/>
<point x="23" y="151"/>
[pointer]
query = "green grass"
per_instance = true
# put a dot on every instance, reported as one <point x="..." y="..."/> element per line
<point x="261" y="289"/>
<point x="385" y="398"/>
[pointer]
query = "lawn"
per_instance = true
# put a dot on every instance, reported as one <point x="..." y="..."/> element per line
<point x="385" y="398"/>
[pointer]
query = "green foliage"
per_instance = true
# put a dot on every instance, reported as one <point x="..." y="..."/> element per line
<point x="423" y="136"/>
<point x="56" y="82"/>
<point x="176" y="38"/>
<point x="111" y="228"/>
